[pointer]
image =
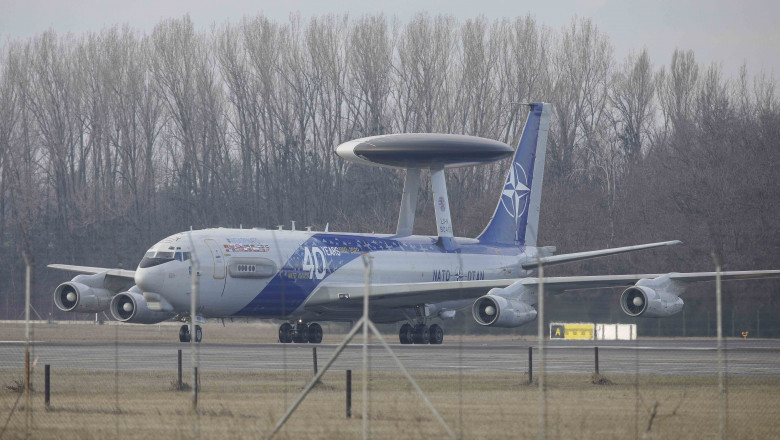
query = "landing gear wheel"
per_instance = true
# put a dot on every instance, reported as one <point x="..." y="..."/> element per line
<point x="315" y="333"/>
<point x="406" y="334"/>
<point x="285" y="333"/>
<point x="436" y="334"/>
<point x="184" y="333"/>
<point x="301" y="333"/>
<point x="421" y="334"/>
<point x="198" y="333"/>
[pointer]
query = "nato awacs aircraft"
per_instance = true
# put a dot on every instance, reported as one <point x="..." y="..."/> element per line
<point x="303" y="277"/>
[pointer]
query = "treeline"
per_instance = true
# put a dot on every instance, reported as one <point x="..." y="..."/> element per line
<point x="112" y="140"/>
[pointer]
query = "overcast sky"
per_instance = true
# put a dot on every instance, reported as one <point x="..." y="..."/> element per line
<point x="729" y="32"/>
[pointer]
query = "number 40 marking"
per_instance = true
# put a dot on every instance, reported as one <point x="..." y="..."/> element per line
<point x="314" y="262"/>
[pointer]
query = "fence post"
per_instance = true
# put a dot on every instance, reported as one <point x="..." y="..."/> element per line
<point x="179" y="372"/>
<point x="542" y="435"/>
<point x="27" y="379"/>
<point x="530" y="365"/>
<point x="314" y="357"/>
<point x="46" y="386"/>
<point x="195" y="387"/>
<point x="596" y="353"/>
<point x="721" y="389"/>
<point x="349" y="394"/>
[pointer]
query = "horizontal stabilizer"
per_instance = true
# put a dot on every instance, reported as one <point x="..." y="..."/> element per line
<point x="567" y="258"/>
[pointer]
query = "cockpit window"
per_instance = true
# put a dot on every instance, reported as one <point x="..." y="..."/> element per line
<point x="181" y="256"/>
<point x="152" y="258"/>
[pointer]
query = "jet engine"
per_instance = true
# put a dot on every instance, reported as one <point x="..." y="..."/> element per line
<point x="82" y="294"/>
<point x="650" y="303"/>
<point x="502" y="312"/>
<point x="131" y="307"/>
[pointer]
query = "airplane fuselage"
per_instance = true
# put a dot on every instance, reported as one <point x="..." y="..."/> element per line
<point x="273" y="274"/>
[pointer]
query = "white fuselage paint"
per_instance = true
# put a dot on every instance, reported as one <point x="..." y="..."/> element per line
<point x="308" y="261"/>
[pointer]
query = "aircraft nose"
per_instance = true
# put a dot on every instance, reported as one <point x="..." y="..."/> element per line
<point x="148" y="280"/>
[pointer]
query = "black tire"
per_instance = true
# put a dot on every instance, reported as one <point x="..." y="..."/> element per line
<point x="198" y="333"/>
<point x="406" y="334"/>
<point x="315" y="333"/>
<point x="421" y="334"/>
<point x="285" y="333"/>
<point x="436" y="334"/>
<point x="184" y="333"/>
<point x="301" y="333"/>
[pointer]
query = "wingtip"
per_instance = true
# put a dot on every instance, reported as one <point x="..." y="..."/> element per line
<point x="674" y="242"/>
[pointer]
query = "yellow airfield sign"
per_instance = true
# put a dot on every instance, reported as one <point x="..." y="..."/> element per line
<point x="572" y="331"/>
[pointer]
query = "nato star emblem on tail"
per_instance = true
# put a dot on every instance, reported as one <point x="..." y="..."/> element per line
<point x="514" y="198"/>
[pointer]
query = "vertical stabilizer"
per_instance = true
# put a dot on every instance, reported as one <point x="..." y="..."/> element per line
<point x="516" y="218"/>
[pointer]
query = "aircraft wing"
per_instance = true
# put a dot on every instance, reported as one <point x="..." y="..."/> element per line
<point x="402" y="294"/>
<point x="120" y="273"/>
<point x="410" y="294"/>
<point x="562" y="284"/>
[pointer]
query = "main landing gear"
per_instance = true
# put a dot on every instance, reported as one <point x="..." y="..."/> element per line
<point x="185" y="336"/>
<point x="300" y="332"/>
<point x="421" y="334"/>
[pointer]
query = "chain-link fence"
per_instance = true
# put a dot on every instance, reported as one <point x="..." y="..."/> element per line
<point x="135" y="381"/>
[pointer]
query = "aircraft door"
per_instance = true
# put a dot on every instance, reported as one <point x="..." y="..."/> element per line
<point x="218" y="258"/>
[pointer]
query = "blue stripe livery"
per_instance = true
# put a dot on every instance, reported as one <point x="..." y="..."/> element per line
<point x="323" y="254"/>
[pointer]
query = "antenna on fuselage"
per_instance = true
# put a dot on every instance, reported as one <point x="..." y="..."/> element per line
<point x="279" y="227"/>
<point x="327" y="225"/>
<point x="308" y="228"/>
<point x="293" y="225"/>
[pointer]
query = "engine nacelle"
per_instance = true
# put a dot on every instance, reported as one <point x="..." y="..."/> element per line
<point x="131" y="307"/>
<point x="650" y="303"/>
<point x="74" y="296"/>
<point x="498" y="311"/>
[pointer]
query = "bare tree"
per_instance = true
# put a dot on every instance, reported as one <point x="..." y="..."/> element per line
<point x="631" y="95"/>
<point x="580" y="77"/>
<point x="424" y="51"/>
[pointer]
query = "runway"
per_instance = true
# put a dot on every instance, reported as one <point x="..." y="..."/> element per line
<point x="689" y="357"/>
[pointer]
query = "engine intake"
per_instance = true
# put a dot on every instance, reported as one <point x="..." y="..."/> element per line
<point x="131" y="307"/>
<point x="497" y="311"/>
<point x="649" y="303"/>
<point x="77" y="297"/>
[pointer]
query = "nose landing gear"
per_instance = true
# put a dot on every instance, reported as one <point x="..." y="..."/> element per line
<point x="300" y="332"/>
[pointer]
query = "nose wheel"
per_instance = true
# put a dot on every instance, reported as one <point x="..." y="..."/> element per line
<point x="185" y="335"/>
<point x="300" y="333"/>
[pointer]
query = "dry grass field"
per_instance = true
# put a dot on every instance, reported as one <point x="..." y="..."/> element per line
<point x="479" y="406"/>
<point x="240" y="404"/>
